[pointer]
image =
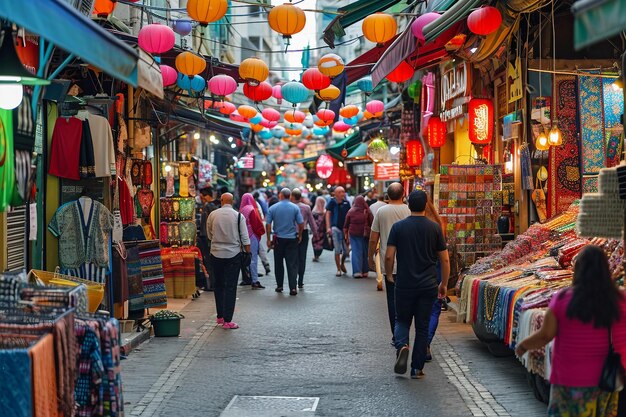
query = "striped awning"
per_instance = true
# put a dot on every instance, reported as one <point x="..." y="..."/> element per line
<point x="596" y="20"/>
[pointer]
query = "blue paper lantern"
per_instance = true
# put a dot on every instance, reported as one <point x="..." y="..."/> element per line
<point x="320" y="131"/>
<point x="182" y="27"/>
<point x="352" y="120"/>
<point x="256" y="119"/>
<point x="295" y="92"/>
<point x="265" y="134"/>
<point x="278" y="132"/>
<point x="195" y="84"/>
<point x="365" y="84"/>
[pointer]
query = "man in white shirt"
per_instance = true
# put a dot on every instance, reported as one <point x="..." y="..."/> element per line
<point x="378" y="204"/>
<point x="227" y="231"/>
<point x="384" y="218"/>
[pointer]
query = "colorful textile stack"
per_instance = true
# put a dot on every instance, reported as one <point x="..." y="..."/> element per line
<point x="602" y="214"/>
<point x="135" y="282"/>
<point x="154" y="294"/>
<point x="180" y="271"/>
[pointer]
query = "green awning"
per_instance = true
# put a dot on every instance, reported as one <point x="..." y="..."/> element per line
<point x="360" y="151"/>
<point x="596" y="20"/>
<point x="454" y="14"/>
<point x="349" y="143"/>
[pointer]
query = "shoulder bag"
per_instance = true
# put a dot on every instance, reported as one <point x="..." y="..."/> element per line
<point x="612" y="377"/>
<point x="246" y="257"/>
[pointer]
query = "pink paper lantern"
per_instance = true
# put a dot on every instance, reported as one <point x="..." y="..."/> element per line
<point x="270" y="114"/>
<point x="265" y="123"/>
<point x="277" y="93"/>
<point x="375" y="106"/>
<point x="273" y="124"/>
<point x="169" y="74"/>
<point x="156" y="38"/>
<point x="236" y="117"/>
<point x="341" y="126"/>
<point x="228" y="108"/>
<point x="222" y="85"/>
<point x="418" y="24"/>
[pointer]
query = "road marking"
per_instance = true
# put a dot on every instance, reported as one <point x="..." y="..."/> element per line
<point x="259" y="405"/>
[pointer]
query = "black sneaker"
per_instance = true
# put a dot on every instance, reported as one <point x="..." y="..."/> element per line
<point x="257" y="286"/>
<point x="417" y="373"/>
<point x="401" y="360"/>
<point x="300" y="286"/>
<point x="429" y="355"/>
<point x="293" y="292"/>
<point x="279" y="289"/>
<point x="267" y="269"/>
<point x="244" y="283"/>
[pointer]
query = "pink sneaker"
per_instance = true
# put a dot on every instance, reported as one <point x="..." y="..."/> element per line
<point x="231" y="325"/>
<point x="219" y="321"/>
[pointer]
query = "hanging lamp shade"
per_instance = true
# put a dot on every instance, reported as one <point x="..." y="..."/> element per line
<point x="480" y="113"/>
<point x="156" y="38"/>
<point x="183" y="27"/>
<point x="329" y="93"/>
<point x="402" y="73"/>
<point x="228" y="108"/>
<point x="247" y="112"/>
<point x="294" y="116"/>
<point x="265" y="134"/>
<point x="103" y="8"/>
<point x="414" y="153"/>
<point x="222" y="85"/>
<point x="379" y="28"/>
<point x="375" y="106"/>
<point x="295" y="92"/>
<point x="417" y="27"/>
<point x="11" y="69"/>
<point x="349" y="111"/>
<point x="206" y="11"/>
<point x="331" y="65"/>
<point x="169" y="75"/>
<point x="555" y="137"/>
<point x="484" y="20"/>
<point x="541" y="143"/>
<point x="270" y="114"/>
<point x="313" y="79"/>
<point x="256" y="119"/>
<point x="378" y="150"/>
<point x="365" y="84"/>
<point x="258" y="93"/>
<point x="436" y="131"/>
<point x="326" y="115"/>
<point x="415" y="90"/>
<point x="286" y="19"/>
<point x="190" y="64"/>
<point x="253" y="71"/>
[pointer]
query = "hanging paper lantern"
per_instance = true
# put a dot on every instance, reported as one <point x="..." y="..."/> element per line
<point x="256" y="119"/>
<point x="191" y="84"/>
<point x="365" y="84"/>
<point x="271" y="114"/>
<point x="402" y="73"/>
<point x="414" y="153"/>
<point x="367" y="115"/>
<point x="190" y="64"/>
<point x="294" y="116"/>
<point x="320" y="131"/>
<point x="331" y="65"/>
<point x="156" y="39"/>
<point x="313" y="79"/>
<point x="265" y="134"/>
<point x="206" y="11"/>
<point x="351" y="121"/>
<point x="103" y="8"/>
<point x="328" y="94"/>
<point x="480" y="114"/>
<point x="183" y="27"/>
<point x="266" y="123"/>
<point x="379" y="28"/>
<point x="436" y="131"/>
<point x="293" y="132"/>
<point x="349" y="111"/>
<point x="308" y="121"/>
<point x="286" y="19"/>
<point x="236" y="117"/>
<point x="278" y="132"/>
<point x="256" y="128"/>
<point x="484" y="20"/>
<point x="377" y="150"/>
<point x="417" y="27"/>
<point x="258" y="93"/>
<point x="169" y="75"/>
<point x="322" y="123"/>
<point x="324" y="166"/>
<point x="277" y="93"/>
<point x="326" y="115"/>
<point x="253" y="71"/>
<point x="228" y="108"/>
<point x="222" y="85"/>
<point x="341" y="127"/>
<point x="247" y="111"/>
<point x="375" y="106"/>
<point x="294" y="92"/>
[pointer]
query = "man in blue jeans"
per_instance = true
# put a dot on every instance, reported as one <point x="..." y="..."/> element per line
<point x="418" y="243"/>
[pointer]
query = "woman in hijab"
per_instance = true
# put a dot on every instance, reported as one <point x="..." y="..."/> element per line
<point x="357" y="227"/>
<point x="248" y="209"/>
<point x="319" y="213"/>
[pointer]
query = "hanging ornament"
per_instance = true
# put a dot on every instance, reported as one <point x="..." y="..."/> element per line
<point x="313" y="79"/>
<point x="258" y="93"/>
<point x="402" y="73"/>
<point x="555" y="137"/>
<point x="228" y="108"/>
<point x="484" y="20"/>
<point x="103" y="8"/>
<point x="255" y="120"/>
<point x="417" y="27"/>
<point x="414" y="153"/>
<point x="324" y="166"/>
<point x="377" y="150"/>
<point x="222" y="85"/>
<point x="253" y="71"/>
<point x="480" y="113"/>
<point x="206" y="11"/>
<point x="379" y="28"/>
<point x="326" y="115"/>
<point x="271" y="114"/>
<point x="308" y="121"/>
<point x="341" y="127"/>
<point x="415" y="91"/>
<point x="190" y="64"/>
<point x="193" y="84"/>
<point x="236" y="117"/>
<point x="277" y="93"/>
<point x="375" y="106"/>
<point x="156" y="39"/>
<point x="349" y="111"/>
<point x="278" y="132"/>
<point x="256" y="128"/>
<point x="331" y="65"/>
<point x="294" y="116"/>
<point x="344" y="153"/>
<point x="265" y="134"/>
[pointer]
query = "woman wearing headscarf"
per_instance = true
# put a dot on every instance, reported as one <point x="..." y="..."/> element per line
<point x="319" y="213"/>
<point x="357" y="225"/>
<point x="248" y="209"/>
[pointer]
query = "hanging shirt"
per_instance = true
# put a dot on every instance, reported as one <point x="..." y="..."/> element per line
<point x="65" y="152"/>
<point x="83" y="237"/>
<point x="102" y="138"/>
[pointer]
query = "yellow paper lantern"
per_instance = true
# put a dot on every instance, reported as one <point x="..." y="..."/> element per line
<point x="329" y="93"/>
<point x="190" y="64"/>
<point x="206" y="11"/>
<point x="253" y="71"/>
<point x="331" y="65"/>
<point x="247" y="111"/>
<point x="286" y="19"/>
<point x="379" y="28"/>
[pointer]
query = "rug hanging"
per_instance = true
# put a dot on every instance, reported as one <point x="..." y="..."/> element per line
<point x="613" y="129"/>
<point x="591" y="110"/>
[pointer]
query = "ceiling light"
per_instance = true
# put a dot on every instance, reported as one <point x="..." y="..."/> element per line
<point x="230" y="138"/>
<point x="196" y="135"/>
<point x="232" y="145"/>
<point x="555" y="138"/>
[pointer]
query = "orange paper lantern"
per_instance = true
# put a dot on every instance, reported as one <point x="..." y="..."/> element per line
<point x="247" y="112"/>
<point x="379" y="28"/>
<point x="206" y="11"/>
<point x="328" y="94"/>
<point x="190" y="64"/>
<point x="436" y="132"/>
<point x="414" y="153"/>
<point x="103" y="8"/>
<point x="286" y="19"/>
<point x="480" y="113"/>
<point x="256" y="128"/>
<point x="349" y="111"/>
<point x="295" y="116"/>
<point x="253" y="71"/>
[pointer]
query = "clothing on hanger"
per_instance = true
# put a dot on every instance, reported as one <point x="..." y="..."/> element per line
<point x="65" y="148"/>
<point x="104" y="151"/>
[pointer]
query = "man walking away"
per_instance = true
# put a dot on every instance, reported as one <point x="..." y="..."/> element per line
<point x="227" y="231"/>
<point x="336" y="211"/>
<point x="418" y="243"/>
<point x="384" y="218"/>
<point x="262" y="249"/>
<point x="288" y="226"/>
<point x="380" y="203"/>
<point x="208" y="206"/>
<point x="309" y="222"/>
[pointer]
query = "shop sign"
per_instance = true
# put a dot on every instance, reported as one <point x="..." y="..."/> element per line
<point x="385" y="171"/>
<point x="246" y="162"/>
<point x="480" y="121"/>
<point x="324" y="166"/>
<point x="454" y="85"/>
<point x="363" y="170"/>
<point x="27" y="49"/>
<point x="514" y="74"/>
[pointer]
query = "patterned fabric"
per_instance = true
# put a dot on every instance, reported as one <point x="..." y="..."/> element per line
<point x="15" y="386"/>
<point x="10" y="286"/>
<point x="45" y="398"/>
<point x="564" y="181"/>
<point x="180" y="272"/>
<point x="90" y="370"/>
<point x="613" y="109"/>
<point x="590" y="184"/>
<point x="587" y="402"/>
<point x="135" y="282"/>
<point x="591" y="110"/>
<point x="152" y="274"/>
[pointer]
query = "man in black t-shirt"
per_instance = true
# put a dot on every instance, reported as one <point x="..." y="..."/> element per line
<point x="417" y="243"/>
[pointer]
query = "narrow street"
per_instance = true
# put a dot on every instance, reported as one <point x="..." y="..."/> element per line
<point x="329" y="348"/>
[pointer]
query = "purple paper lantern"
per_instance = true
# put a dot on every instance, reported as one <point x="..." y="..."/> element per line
<point x="418" y="25"/>
<point x="156" y="38"/>
<point x="183" y="27"/>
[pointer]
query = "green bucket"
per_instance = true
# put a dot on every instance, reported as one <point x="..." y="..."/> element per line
<point x="166" y="327"/>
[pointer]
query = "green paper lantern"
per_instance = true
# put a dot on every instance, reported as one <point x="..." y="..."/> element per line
<point x="415" y="91"/>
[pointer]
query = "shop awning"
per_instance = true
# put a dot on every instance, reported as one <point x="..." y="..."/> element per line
<point x="359" y="152"/>
<point x="454" y="14"/>
<point x="59" y="23"/>
<point x="596" y="20"/>
<point x="363" y="64"/>
<point x="349" y="143"/>
<point x="149" y="74"/>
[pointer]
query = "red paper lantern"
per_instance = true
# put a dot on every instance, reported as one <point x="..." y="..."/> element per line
<point x="484" y="20"/>
<point x="103" y="8"/>
<point x="271" y="114"/>
<point x="326" y="115"/>
<point x="257" y="93"/>
<point x="480" y="113"/>
<point x="313" y="79"/>
<point x="324" y="166"/>
<point x="436" y="132"/>
<point x="402" y="73"/>
<point x="414" y="153"/>
<point x="228" y="108"/>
